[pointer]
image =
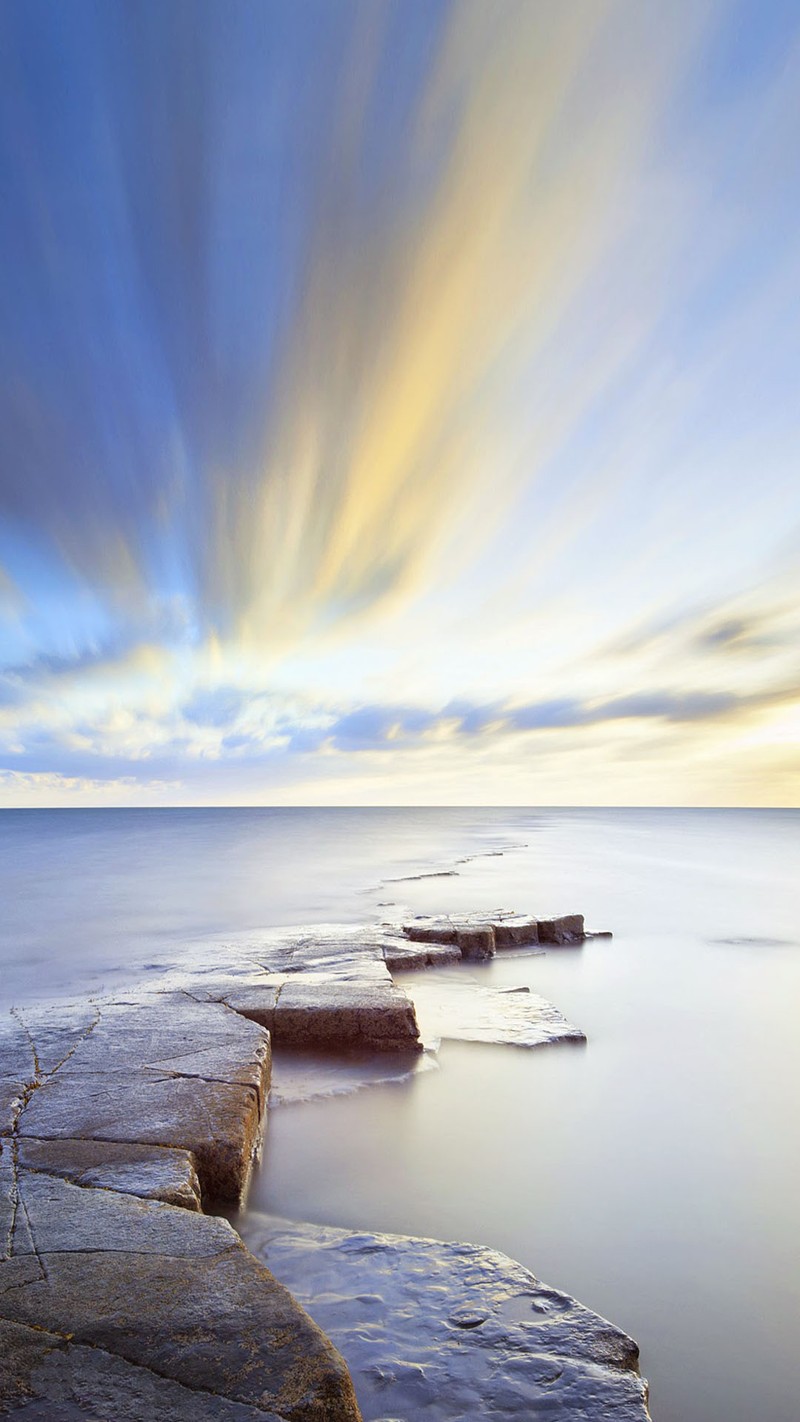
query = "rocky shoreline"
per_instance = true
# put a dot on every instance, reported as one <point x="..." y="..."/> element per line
<point x="126" y="1120"/>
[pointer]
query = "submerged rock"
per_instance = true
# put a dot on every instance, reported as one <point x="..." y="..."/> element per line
<point x="451" y="1009"/>
<point x="452" y="1331"/>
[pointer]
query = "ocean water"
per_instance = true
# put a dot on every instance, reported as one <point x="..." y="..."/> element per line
<point x="91" y="899"/>
<point x="652" y="1172"/>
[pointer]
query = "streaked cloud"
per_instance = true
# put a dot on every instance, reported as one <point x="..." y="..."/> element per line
<point x="413" y="401"/>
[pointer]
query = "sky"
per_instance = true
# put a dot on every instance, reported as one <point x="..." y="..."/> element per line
<point x="399" y="402"/>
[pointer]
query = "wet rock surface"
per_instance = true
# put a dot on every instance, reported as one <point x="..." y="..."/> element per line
<point x="458" y="1011"/>
<point x="136" y="1309"/>
<point x="452" y="1331"/>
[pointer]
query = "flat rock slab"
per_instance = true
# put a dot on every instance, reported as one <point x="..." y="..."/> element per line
<point x="169" y="1072"/>
<point x="452" y="1331"/>
<point x="450" y="1009"/>
<point x="346" y="1003"/>
<point x="151" y="1172"/>
<point x="120" y="1308"/>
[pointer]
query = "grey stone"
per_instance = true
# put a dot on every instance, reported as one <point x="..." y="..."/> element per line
<point x="173" y="1072"/>
<point x="219" y="1123"/>
<point x="400" y="957"/>
<point x="452" y="1331"/>
<point x="164" y="1296"/>
<point x="151" y="1172"/>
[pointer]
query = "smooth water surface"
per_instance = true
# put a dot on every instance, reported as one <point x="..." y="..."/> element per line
<point x="652" y="1173"/>
<point x="91" y="899"/>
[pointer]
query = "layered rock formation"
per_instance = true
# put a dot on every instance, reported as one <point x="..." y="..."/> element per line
<point x="479" y="936"/>
<point x="118" y="1298"/>
<point x="123" y="1119"/>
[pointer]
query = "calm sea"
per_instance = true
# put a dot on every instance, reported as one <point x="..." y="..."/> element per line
<point x="653" y="1173"/>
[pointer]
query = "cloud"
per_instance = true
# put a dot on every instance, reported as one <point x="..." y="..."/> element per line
<point x="252" y="366"/>
<point x="402" y="351"/>
<point x="216" y="706"/>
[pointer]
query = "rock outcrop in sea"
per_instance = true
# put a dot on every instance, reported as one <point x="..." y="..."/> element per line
<point x="125" y="1120"/>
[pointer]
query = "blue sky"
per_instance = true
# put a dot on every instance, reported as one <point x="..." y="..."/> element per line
<point x="398" y="402"/>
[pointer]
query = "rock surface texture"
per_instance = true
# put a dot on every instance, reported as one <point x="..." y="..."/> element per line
<point x="119" y="1299"/>
<point x="452" y="1331"/>
<point x="479" y="936"/>
<point x="136" y="1309"/>
<point x="122" y="1119"/>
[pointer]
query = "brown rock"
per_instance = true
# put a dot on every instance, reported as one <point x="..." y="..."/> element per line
<point x="477" y="942"/>
<point x="159" y="1293"/>
<point x="431" y="930"/>
<point x="358" y="1006"/>
<point x="567" y="929"/>
<point x="516" y="932"/>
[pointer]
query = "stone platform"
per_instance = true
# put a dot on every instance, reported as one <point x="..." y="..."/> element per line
<point x="125" y="1118"/>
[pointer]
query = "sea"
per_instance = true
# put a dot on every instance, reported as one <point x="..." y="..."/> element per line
<point x="653" y="1172"/>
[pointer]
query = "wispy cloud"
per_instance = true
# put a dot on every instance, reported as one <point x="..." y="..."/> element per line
<point x="416" y="389"/>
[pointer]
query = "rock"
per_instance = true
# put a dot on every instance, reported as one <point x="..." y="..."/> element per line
<point x="403" y="956"/>
<point x="516" y="932"/>
<point x="135" y="1309"/>
<point x="358" y="1008"/>
<point x="476" y="942"/>
<point x="151" y="1172"/>
<point x="430" y="930"/>
<point x="567" y="929"/>
<point x="171" y="1072"/>
<point x="475" y="936"/>
<point x="452" y="1331"/>
<point x="455" y="1010"/>
<point x="118" y="1298"/>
